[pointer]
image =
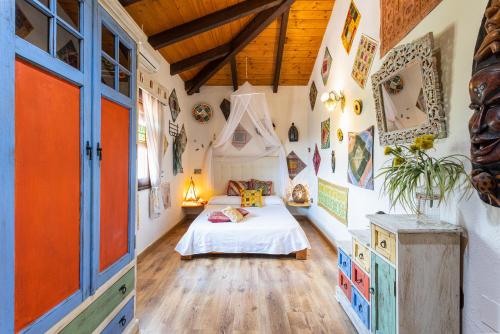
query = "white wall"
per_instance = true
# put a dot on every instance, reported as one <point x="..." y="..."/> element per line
<point x="455" y="24"/>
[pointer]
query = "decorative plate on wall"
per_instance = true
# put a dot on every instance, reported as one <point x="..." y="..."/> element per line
<point x="202" y="112"/>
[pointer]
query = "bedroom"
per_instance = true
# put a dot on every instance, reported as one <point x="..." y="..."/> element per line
<point x="107" y="231"/>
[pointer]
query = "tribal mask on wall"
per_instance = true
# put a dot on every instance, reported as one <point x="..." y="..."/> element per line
<point x="484" y="125"/>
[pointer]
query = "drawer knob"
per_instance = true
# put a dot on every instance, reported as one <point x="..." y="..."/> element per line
<point x="361" y="256"/>
<point x="372" y="291"/>
<point x="123" y="321"/>
<point x="383" y="244"/>
<point x="123" y="289"/>
<point x="360" y="307"/>
<point x="344" y="263"/>
<point x="345" y="286"/>
<point x="359" y="281"/>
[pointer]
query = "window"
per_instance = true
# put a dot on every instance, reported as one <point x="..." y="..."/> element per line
<point x="115" y="62"/>
<point x="53" y="26"/>
<point x="142" y="149"/>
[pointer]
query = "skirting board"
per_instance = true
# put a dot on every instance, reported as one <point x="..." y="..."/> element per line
<point x="346" y="305"/>
<point x="157" y="241"/>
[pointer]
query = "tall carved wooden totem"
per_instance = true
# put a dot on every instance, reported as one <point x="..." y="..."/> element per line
<point x="484" y="125"/>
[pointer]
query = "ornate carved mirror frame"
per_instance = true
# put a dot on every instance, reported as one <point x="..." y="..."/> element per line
<point x="398" y="59"/>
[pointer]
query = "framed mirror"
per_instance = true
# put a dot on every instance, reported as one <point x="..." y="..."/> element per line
<point x="407" y="94"/>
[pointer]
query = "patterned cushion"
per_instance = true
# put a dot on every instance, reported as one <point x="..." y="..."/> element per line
<point x="266" y="186"/>
<point x="219" y="217"/>
<point x="233" y="214"/>
<point x="234" y="188"/>
<point x="251" y="198"/>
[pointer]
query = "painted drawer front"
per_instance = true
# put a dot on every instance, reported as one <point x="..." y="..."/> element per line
<point x="361" y="281"/>
<point x="384" y="242"/>
<point x="122" y="319"/>
<point x="361" y="255"/>
<point x="345" y="263"/>
<point x="345" y="285"/>
<point x="383" y="301"/>
<point x="95" y="314"/>
<point x="361" y="307"/>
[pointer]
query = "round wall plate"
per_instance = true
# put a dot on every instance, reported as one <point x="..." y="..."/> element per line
<point x="202" y="112"/>
<point x="358" y="106"/>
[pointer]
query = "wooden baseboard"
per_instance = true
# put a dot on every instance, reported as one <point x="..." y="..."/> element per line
<point x="323" y="235"/>
<point x="148" y="249"/>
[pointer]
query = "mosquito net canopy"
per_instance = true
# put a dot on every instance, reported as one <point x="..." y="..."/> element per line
<point x="248" y="135"/>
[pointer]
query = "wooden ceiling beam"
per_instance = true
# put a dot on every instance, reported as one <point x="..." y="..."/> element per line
<point x="204" y="57"/>
<point x="281" y="47"/>
<point x="209" y="22"/>
<point x="234" y="73"/>
<point x="252" y="30"/>
<point x="126" y="3"/>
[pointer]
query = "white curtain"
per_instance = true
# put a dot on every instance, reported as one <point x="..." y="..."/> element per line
<point x="153" y="127"/>
<point x="249" y="109"/>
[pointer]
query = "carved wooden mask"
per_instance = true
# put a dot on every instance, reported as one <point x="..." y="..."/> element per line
<point x="484" y="125"/>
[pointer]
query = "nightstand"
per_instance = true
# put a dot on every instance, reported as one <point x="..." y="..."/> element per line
<point x="193" y="209"/>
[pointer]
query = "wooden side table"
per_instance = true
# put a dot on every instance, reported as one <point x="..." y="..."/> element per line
<point x="193" y="209"/>
<point x="299" y="205"/>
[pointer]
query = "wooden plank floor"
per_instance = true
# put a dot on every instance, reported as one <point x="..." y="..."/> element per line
<point x="235" y="294"/>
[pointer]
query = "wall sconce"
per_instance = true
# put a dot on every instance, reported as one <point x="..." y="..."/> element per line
<point x="331" y="99"/>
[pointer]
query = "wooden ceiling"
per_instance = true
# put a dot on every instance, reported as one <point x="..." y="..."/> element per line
<point x="244" y="44"/>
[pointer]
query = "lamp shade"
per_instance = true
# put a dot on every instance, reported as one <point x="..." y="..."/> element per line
<point x="191" y="192"/>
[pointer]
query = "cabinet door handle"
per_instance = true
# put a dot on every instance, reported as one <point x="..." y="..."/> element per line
<point x="383" y="244"/>
<point x="123" y="289"/>
<point x="99" y="151"/>
<point x="123" y="321"/>
<point x="372" y="291"/>
<point x="361" y="256"/>
<point x="345" y="286"/>
<point x="360" y="307"/>
<point x="88" y="150"/>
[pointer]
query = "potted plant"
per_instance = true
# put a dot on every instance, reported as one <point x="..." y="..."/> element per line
<point x="419" y="182"/>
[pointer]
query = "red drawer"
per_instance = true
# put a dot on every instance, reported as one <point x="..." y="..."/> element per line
<point x="361" y="281"/>
<point x="345" y="284"/>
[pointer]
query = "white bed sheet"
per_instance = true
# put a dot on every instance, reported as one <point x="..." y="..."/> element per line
<point x="267" y="230"/>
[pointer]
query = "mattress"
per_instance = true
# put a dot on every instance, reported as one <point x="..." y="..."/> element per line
<point x="267" y="230"/>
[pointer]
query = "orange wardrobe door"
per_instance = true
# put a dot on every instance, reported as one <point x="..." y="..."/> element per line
<point x="114" y="220"/>
<point x="47" y="192"/>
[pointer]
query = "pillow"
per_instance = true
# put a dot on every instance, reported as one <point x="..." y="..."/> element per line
<point x="233" y="214"/>
<point x="273" y="200"/>
<point x="234" y="188"/>
<point x="225" y="200"/>
<point x="219" y="217"/>
<point x="266" y="186"/>
<point x="251" y="198"/>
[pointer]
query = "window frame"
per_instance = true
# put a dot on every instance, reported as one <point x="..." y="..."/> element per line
<point x="142" y="183"/>
<point x="54" y="22"/>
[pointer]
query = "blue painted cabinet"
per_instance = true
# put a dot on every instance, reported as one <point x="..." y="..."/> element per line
<point x="56" y="73"/>
<point x="383" y="301"/>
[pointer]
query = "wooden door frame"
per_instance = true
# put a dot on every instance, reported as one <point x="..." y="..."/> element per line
<point x="19" y="48"/>
<point x="102" y="91"/>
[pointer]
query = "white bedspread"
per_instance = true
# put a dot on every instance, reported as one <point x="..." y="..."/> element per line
<point x="267" y="230"/>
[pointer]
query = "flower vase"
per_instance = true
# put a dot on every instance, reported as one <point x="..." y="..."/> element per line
<point x="428" y="206"/>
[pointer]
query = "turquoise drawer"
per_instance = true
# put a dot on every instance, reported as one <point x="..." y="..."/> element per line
<point x="345" y="263"/>
<point x="122" y="319"/>
<point x="361" y="307"/>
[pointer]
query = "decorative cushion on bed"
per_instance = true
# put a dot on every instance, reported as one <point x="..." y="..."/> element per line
<point x="219" y="217"/>
<point x="234" y="188"/>
<point x="266" y="186"/>
<point x="233" y="214"/>
<point x="251" y="198"/>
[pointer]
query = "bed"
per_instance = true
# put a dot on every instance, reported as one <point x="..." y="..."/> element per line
<point x="270" y="229"/>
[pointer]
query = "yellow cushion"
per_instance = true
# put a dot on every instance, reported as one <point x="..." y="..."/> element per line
<point x="251" y="198"/>
<point x="233" y="214"/>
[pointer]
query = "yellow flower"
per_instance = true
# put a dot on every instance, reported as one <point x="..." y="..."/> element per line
<point x="414" y="148"/>
<point x="428" y="137"/>
<point x="387" y="150"/>
<point x="427" y="144"/>
<point x="398" y="161"/>
<point x="418" y="142"/>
